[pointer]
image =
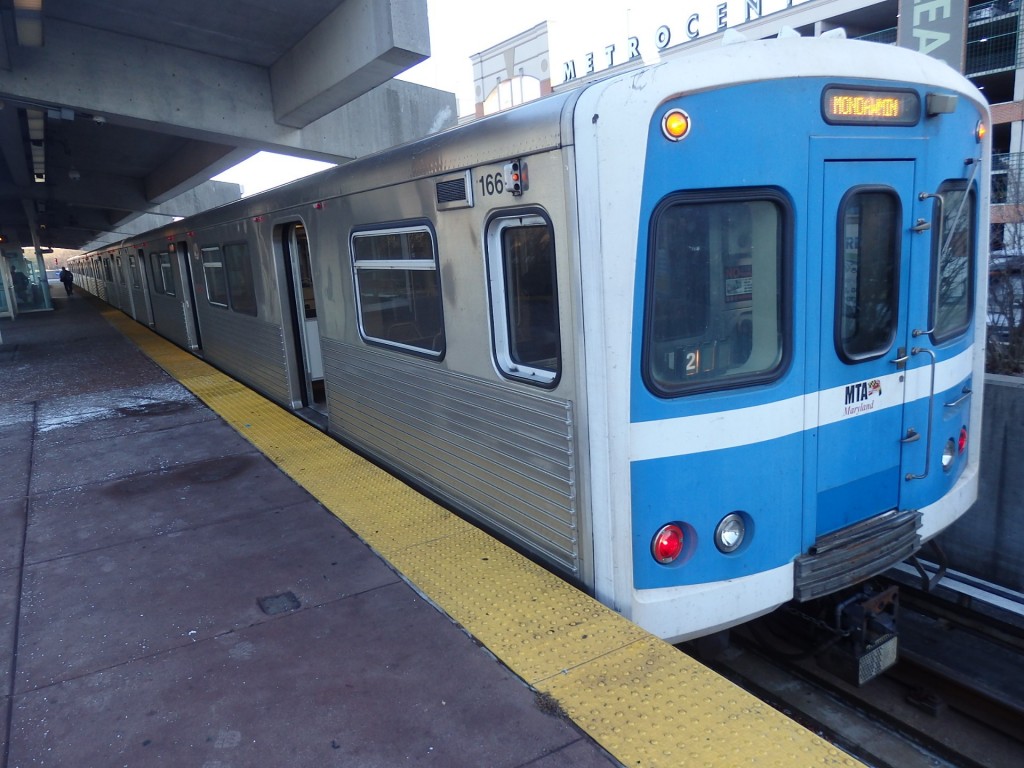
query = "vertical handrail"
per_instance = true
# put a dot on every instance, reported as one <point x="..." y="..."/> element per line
<point x="931" y="408"/>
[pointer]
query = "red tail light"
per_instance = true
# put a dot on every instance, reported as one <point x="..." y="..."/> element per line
<point x="668" y="544"/>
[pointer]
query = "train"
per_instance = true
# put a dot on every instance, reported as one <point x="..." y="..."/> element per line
<point x="705" y="337"/>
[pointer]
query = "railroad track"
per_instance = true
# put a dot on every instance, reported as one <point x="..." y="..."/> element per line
<point x="954" y="699"/>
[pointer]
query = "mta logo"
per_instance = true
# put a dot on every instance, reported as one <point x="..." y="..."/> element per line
<point x="858" y="393"/>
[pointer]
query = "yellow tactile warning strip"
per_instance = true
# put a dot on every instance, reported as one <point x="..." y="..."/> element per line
<point x="645" y="702"/>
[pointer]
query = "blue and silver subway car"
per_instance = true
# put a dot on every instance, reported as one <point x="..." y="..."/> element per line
<point x="705" y="337"/>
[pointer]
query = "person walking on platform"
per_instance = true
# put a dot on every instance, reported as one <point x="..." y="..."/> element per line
<point x="68" y="279"/>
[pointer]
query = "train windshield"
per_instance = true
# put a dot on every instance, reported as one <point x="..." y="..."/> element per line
<point x="714" y="314"/>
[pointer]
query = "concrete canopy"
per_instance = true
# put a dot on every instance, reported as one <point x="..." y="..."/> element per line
<point x="113" y="109"/>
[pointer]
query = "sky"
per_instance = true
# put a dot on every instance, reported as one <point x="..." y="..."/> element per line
<point x="460" y="28"/>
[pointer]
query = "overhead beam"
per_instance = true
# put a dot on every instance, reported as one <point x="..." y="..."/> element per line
<point x="200" y="198"/>
<point x="360" y="45"/>
<point x="12" y="145"/>
<point x="194" y="95"/>
<point x="197" y="162"/>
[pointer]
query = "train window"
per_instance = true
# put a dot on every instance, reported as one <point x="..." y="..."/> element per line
<point x="398" y="288"/>
<point x="213" y="272"/>
<point x="154" y="272"/>
<point x="229" y="278"/>
<point x="108" y="272"/>
<point x="120" y="270"/>
<point x="953" y="261"/>
<point x="716" y="295"/>
<point x="868" y="273"/>
<point x="241" y="287"/>
<point x="133" y="269"/>
<point x="163" y="273"/>
<point x="524" y="298"/>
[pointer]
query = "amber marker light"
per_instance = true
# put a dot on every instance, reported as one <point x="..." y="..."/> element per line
<point x="981" y="131"/>
<point x="675" y="124"/>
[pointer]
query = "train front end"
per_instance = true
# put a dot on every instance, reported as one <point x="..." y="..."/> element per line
<point x="792" y="363"/>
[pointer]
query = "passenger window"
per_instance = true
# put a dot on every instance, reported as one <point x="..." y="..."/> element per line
<point x="213" y="272"/>
<point x="398" y="288"/>
<point x="714" y="314"/>
<point x="524" y="298"/>
<point x="953" y="262"/>
<point x="241" y="286"/>
<point x="133" y="268"/>
<point x="868" y="274"/>
<point x="163" y="273"/>
<point x="229" y="277"/>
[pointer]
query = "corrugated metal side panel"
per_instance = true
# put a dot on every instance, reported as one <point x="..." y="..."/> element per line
<point x="247" y="348"/>
<point x="505" y="457"/>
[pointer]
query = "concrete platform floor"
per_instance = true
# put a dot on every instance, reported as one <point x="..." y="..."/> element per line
<point x="169" y="597"/>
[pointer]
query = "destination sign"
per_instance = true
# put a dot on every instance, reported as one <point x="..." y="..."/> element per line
<point x="857" y="106"/>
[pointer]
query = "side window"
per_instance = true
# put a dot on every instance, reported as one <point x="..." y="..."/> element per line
<point x="868" y="273"/>
<point x="716" y="293"/>
<point x="164" y="276"/>
<point x="229" y="277"/>
<point x="241" y="287"/>
<point x="108" y="273"/>
<point x="398" y="288"/>
<point x="154" y="272"/>
<point x="133" y="268"/>
<point x="213" y="272"/>
<point x="119" y="269"/>
<point x="953" y="261"/>
<point x="524" y="298"/>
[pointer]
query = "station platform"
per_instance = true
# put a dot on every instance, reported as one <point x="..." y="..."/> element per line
<point x="191" y="576"/>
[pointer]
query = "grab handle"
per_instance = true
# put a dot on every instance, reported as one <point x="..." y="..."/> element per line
<point x="931" y="407"/>
<point x="966" y="393"/>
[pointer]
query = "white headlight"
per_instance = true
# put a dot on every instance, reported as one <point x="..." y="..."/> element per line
<point x="730" y="532"/>
<point x="948" y="454"/>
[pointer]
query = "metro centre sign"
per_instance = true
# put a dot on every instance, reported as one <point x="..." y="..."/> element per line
<point x="706" y="20"/>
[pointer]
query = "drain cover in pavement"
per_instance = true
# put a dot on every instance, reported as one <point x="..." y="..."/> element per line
<point x="286" y="601"/>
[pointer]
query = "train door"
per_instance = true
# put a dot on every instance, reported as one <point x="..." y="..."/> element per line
<point x="309" y="360"/>
<point x="124" y="296"/>
<point x="188" y="296"/>
<point x="869" y="246"/>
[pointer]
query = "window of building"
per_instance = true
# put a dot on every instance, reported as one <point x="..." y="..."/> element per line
<point x="398" y="288"/>
<point x="524" y="298"/>
<point x="716" y="293"/>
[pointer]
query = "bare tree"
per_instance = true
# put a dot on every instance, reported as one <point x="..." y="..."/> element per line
<point x="1005" y="352"/>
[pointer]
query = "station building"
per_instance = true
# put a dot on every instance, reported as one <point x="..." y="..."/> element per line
<point x="981" y="39"/>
